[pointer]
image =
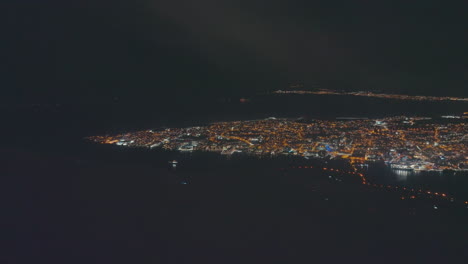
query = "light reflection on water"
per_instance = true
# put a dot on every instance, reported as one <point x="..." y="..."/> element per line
<point x="401" y="175"/>
<point x="451" y="182"/>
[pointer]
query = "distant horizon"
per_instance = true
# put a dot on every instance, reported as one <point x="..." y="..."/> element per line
<point x="368" y="93"/>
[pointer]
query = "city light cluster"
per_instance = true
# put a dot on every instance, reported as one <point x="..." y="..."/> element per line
<point x="403" y="143"/>
<point x="371" y="94"/>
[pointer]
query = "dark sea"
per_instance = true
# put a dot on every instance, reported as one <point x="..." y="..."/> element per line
<point x="72" y="201"/>
<point x="61" y="128"/>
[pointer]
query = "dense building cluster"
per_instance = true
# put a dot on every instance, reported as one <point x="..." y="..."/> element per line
<point x="405" y="143"/>
<point x="378" y="95"/>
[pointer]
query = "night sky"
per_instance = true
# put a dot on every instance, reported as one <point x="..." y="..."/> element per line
<point x="96" y="51"/>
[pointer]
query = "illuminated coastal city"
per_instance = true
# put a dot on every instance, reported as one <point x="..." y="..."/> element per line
<point x="372" y="94"/>
<point x="221" y="132"/>
<point x="402" y="143"/>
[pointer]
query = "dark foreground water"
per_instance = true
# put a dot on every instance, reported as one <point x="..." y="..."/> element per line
<point x="69" y="201"/>
<point x="121" y="206"/>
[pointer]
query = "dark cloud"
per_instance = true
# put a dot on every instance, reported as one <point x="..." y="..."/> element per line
<point x="90" y="50"/>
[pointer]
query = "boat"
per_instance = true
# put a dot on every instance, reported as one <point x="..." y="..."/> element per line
<point x="173" y="163"/>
